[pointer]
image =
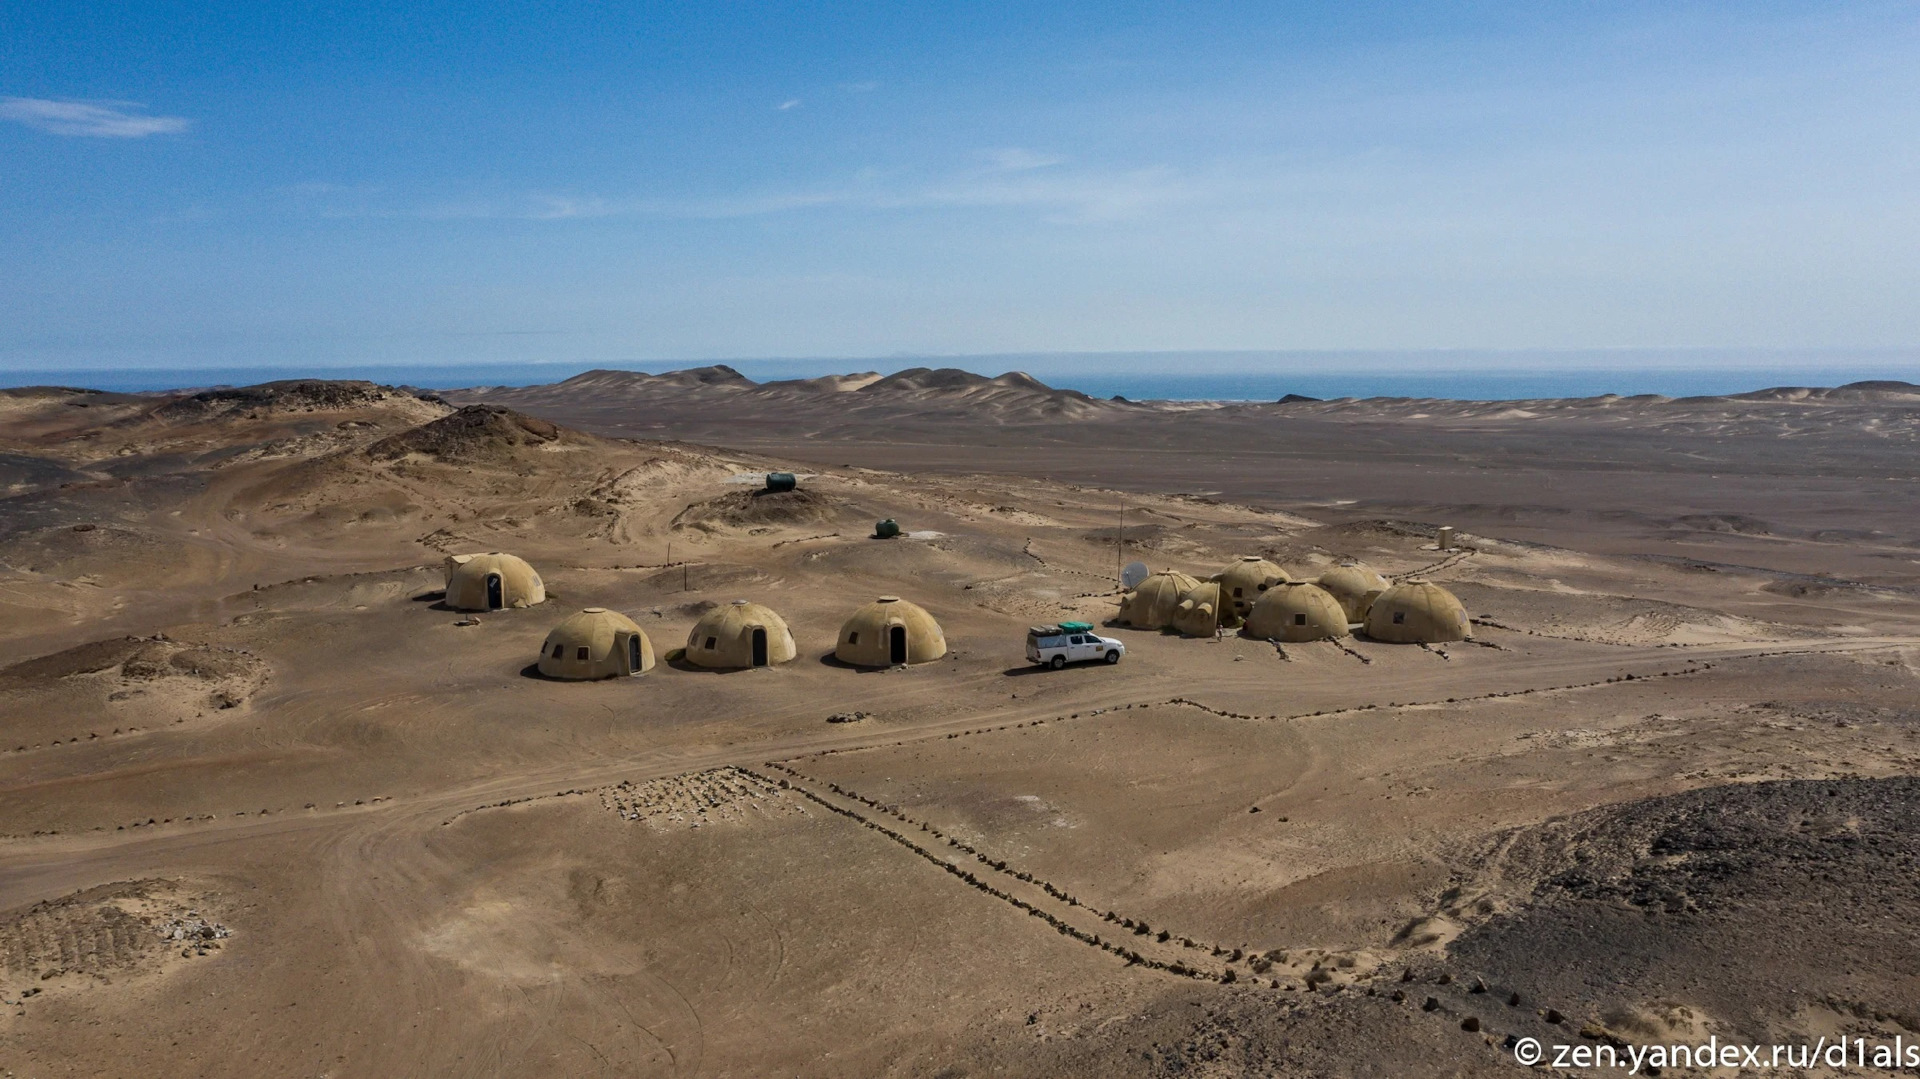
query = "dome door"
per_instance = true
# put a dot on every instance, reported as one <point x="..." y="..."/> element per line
<point x="897" y="642"/>
<point x="633" y="654"/>
<point x="495" y="600"/>
<point x="759" y="646"/>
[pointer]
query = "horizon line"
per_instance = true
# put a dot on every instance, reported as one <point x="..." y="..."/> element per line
<point x="1765" y="357"/>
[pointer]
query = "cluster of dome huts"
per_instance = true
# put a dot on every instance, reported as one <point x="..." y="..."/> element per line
<point x="599" y="643"/>
<point x="1254" y="595"/>
<point x="1263" y="601"/>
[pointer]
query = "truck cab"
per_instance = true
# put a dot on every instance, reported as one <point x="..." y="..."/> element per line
<point x="1070" y="642"/>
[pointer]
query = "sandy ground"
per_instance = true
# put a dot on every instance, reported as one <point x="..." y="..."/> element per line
<point x="268" y="807"/>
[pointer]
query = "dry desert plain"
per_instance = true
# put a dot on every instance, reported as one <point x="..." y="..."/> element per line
<point x="268" y="807"/>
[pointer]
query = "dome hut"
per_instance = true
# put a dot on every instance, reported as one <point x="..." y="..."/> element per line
<point x="889" y="632"/>
<point x="489" y="582"/>
<point x="1243" y="583"/>
<point x="1198" y="613"/>
<point x="1297" y="611"/>
<point x="1151" y="605"/>
<point x="596" y="643"/>
<point x="739" y="634"/>
<point x="1354" y="584"/>
<point x="1417" y="611"/>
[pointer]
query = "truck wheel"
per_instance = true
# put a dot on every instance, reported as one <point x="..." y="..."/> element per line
<point x="1113" y="657"/>
<point x="1058" y="662"/>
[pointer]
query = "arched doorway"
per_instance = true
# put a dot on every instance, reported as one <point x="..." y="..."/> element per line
<point x="759" y="646"/>
<point x="633" y="655"/>
<point x="897" y="642"/>
<point x="495" y="600"/>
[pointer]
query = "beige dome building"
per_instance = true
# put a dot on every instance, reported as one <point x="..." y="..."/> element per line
<point x="1296" y="611"/>
<point x="1354" y="584"/>
<point x="489" y="582"/>
<point x="1151" y="605"/>
<point x="888" y="632"/>
<point x="1198" y="613"/>
<point x="1417" y="611"/>
<point x="596" y="643"/>
<point x="1243" y="583"/>
<point x="739" y="634"/>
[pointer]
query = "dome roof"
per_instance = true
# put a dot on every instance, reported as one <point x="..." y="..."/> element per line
<point x="1198" y="612"/>
<point x="1352" y="583"/>
<point x="1297" y="611"/>
<point x="1417" y="611"/>
<point x="485" y="582"/>
<point x="1243" y="582"/>
<point x="1151" y="605"/>
<point x="595" y="643"/>
<point x="725" y="637"/>
<point x="890" y="631"/>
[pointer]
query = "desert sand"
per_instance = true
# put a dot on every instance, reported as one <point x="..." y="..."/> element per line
<point x="269" y="807"/>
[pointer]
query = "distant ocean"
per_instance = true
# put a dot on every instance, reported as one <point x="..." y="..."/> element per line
<point x="1466" y="384"/>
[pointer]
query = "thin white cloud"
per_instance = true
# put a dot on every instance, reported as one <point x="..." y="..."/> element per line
<point x="727" y="206"/>
<point x="1017" y="180"/>
<point x="790" y="103"/>
<point x="1059" y="196"/>
<point x="1064" y="196"/>
<point x="561" y="207"/>
<point x="89" y="119"/>
<point x="1015" y="159"/>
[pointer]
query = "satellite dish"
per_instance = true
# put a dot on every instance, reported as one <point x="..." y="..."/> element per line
<point x="1131" y="577"/>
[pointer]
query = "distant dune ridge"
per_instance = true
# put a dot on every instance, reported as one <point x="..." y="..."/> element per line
<point x="703" y="402"/>
<point x="1010" y="396"/>
<point x="720" y="381"/>
<point x="928" y="384"/>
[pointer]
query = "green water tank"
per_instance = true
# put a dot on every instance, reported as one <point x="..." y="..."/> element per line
<point x="886" y="529"/>
<point x="781" y="481"/>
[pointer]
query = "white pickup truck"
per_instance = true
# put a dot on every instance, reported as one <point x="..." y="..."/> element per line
<point x="1070" y="642"/>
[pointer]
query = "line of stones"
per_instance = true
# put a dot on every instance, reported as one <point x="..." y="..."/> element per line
<point x="1136" y="927"/>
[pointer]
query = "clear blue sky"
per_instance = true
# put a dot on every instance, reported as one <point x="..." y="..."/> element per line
<point x="216" y="184"/>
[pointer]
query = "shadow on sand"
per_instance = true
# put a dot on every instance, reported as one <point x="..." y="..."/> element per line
<point x="1026" y="669"/>
<point x="831" y="660"/>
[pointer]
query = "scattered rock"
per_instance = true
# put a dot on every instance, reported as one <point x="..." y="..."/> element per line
<point x="698" y="798"/>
